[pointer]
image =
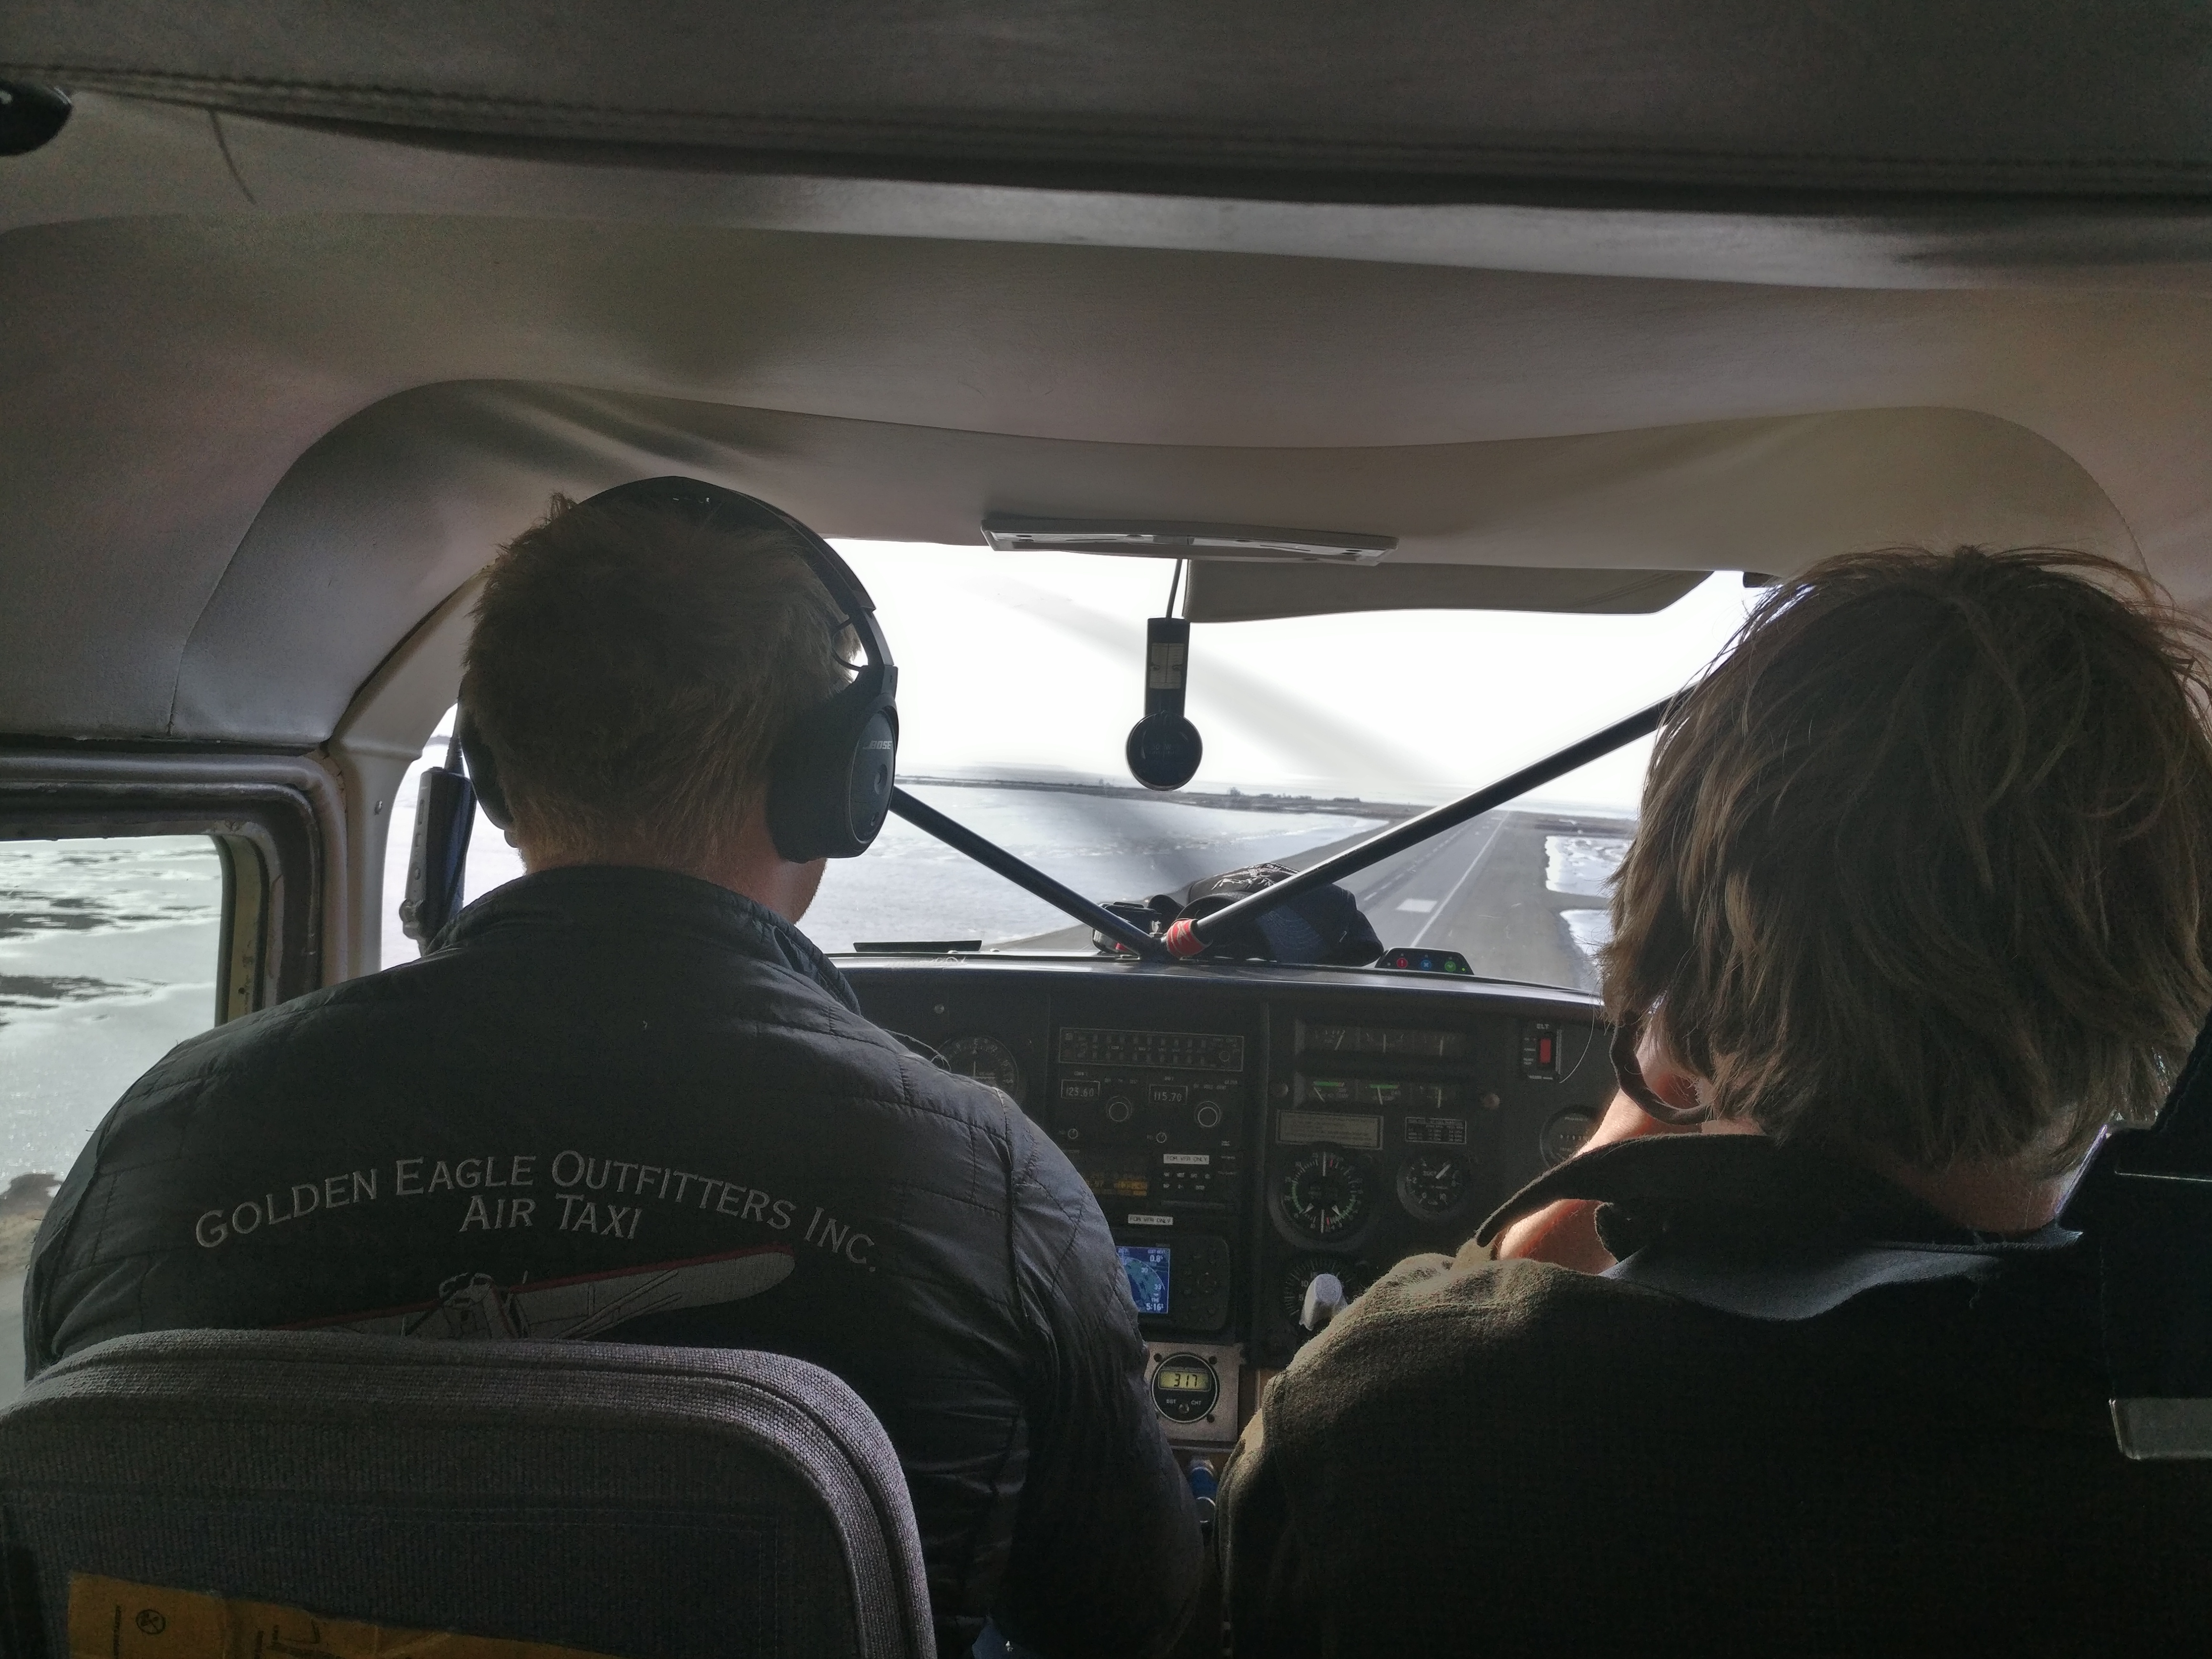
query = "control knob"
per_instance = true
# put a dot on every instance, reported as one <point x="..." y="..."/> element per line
<point x="1324" y="1300"/>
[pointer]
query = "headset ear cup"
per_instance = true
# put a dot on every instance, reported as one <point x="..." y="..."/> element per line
<point x="830" y="784"/>
<point x="483" y="771"/>
<point x="868" y="784"/>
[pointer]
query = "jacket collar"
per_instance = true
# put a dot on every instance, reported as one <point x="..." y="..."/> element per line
<point x="625" y="899"/>
<point x="1752" y="1191"/>
<point x="1746" y="1226"/>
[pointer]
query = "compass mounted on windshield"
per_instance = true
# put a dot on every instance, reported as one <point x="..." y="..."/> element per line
<point x="1165" y="748"/>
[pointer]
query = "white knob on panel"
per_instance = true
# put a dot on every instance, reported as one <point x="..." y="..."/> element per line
<point x="1325" y="1299"/>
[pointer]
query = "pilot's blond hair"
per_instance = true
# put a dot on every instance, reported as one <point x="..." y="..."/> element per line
<point x="632" y="673"/>
<point x="1925" y="864"/>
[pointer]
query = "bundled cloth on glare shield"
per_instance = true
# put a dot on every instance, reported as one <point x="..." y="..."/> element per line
<point x="1323" y="925"/>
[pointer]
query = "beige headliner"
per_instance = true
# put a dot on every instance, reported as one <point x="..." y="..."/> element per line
<point x="259" y="421"/>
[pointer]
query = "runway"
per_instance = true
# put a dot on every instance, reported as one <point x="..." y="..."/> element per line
<point x="1520" y="893"/>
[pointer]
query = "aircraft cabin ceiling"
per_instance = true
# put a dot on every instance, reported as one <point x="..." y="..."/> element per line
<point x="305" y="307"/>
<point x="1953" y="96"/>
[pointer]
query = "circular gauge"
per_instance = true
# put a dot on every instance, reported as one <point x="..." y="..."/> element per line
<point x="1325" y="1194"/>
<point x="1299" y="1271"/>
<point x="1564" y="1135"/>
<point x="988" y="1061"/>
<point x="1186" y="1387"/>
<point x="1435" y="1186"/>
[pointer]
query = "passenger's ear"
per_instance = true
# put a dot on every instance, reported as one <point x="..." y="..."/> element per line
<point x="1669" y="1094"/>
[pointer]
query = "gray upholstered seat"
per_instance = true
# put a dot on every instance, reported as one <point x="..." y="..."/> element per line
<point x="628" y="1500"/>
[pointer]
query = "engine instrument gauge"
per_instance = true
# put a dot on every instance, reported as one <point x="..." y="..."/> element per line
<point x="1435" y="1186"/>
<point x="1564" y="1135"/>
<point x="1186" y="1387"/>
<point x="1299" y="1271"/>
<point x="1324" y="1196"/>
<point x="988" y="1061"/>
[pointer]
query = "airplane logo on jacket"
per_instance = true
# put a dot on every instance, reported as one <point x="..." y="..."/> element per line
<point x="470" y="1306"/>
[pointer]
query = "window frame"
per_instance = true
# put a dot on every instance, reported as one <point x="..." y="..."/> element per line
<point x="267" y="816"/>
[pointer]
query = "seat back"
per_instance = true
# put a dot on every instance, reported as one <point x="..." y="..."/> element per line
<point x="626" y="1500"/>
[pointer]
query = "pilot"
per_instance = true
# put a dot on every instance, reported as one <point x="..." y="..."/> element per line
<point x="624" y="1099"/>
<point x="1797" y="1359"/>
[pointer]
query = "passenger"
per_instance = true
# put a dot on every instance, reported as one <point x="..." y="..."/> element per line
<point x="623" y="1097"/>
<point x="1922" y="900"/>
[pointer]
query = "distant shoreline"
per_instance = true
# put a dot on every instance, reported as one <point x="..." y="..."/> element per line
<point x="1236" y="800"/>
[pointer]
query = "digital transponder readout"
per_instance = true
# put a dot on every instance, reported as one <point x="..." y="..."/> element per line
<point x="1147" y="1267"/>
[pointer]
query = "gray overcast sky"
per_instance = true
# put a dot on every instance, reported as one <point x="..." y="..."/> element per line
<point x="1032" y="662"/>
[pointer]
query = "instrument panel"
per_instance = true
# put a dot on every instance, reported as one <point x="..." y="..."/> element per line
<point x="1248" y="1127"/>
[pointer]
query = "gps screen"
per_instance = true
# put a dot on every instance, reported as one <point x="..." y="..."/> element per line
<point x="1147" y="1267"/>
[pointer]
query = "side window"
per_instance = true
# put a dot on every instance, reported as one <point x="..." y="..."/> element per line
<point x="110" y="953"/>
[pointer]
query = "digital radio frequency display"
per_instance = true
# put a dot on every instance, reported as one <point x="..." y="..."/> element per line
<point x="1147" y="1266"/>
<point x="1187" y="1051"/>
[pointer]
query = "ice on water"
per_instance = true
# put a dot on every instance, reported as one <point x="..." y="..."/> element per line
<point x="107" y="961"/>
<point x="1584" y="866"/>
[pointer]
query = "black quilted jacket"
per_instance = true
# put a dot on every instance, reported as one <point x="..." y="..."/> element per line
<point x="622" y="1103"/>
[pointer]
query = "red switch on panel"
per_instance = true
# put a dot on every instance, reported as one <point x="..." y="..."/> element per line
<point x="1539" y="1050"/>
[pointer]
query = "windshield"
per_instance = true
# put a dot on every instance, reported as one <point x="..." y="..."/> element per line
<point x="1019" y="677"/>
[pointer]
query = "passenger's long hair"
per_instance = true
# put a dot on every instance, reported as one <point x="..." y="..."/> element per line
<point x="1926" y="858"/>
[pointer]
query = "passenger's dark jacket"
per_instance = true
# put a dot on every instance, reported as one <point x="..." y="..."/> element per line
<point x="1510" y="1457"/>
<point x="618" y="1102"/>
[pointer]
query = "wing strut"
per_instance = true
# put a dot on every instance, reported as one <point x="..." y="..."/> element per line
<point x="1187" y="937"/>
<point x="1024" y="874"/>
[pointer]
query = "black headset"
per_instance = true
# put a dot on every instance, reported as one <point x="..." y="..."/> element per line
<point x="829" y="781"/>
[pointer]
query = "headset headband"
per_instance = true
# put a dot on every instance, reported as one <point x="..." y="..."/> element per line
<point x="830" y="778"/>
<point x="710" y="506"/>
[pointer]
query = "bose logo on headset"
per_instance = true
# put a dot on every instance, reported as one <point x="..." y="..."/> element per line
<point x="829" y="781"/>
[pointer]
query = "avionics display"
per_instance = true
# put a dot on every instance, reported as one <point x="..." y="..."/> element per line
<point x="1118" y="1176"/>
<point x="1154" y="1120"/>
<point x="1394" y="1040"/>
<point x="1188" y="1051"/>
<point x="1148" y="1266"/>
<point x="1184" y="1378"/>
<point x="1379" y="1091"/>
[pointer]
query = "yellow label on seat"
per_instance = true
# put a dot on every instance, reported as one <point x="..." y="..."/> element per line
<point x="114" y="1619"/>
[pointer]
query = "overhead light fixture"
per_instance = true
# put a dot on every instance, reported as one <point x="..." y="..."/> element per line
<point x="1178" y="540"/>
